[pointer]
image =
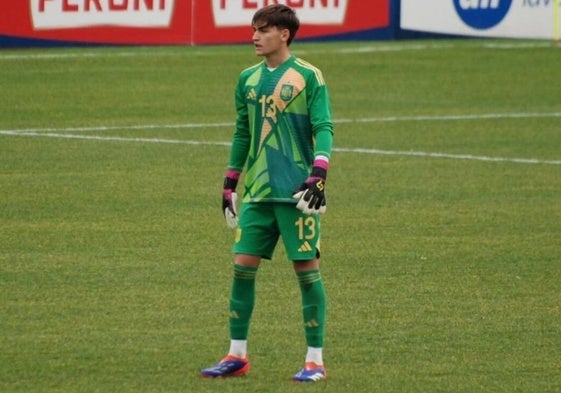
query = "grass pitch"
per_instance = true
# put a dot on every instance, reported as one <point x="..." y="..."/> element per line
<point x="441" y="242"/>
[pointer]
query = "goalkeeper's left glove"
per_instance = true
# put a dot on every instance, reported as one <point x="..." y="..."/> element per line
<point x="229" y="198"/>
<point x="311" y="193"/>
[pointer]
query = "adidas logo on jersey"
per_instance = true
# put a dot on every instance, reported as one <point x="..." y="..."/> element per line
<point x="305" y="247"/>
<point x="251" y="95"/>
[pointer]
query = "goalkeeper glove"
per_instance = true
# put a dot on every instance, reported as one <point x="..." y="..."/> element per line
<point x="311" y="194"/>
<point x="229" y="198"/>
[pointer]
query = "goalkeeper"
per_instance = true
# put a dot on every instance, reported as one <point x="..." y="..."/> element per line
<point x="283" y="138"/>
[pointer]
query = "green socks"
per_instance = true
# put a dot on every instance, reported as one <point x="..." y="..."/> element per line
<point x="313" y="306"/>
<point x="242" y="301"/>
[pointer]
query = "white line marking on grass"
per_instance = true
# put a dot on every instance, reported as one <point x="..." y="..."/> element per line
<point x="85" y="55"/>
<point x="62" y="133"/>
<point x="518" y="45"/>
<point x="483" y="116"/>
<point x="387" y="48"/>
<point x="114" y="138"/>
<point x="447" y="155"/>
<point x="138" y="127"/>
<point x="340" y="150"/>
<point x="305" y="48"/>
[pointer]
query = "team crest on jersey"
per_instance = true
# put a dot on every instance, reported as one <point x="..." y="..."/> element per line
<point x="286" y="92"/>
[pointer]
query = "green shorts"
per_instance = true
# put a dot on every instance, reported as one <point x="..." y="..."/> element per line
<point x="261" y="224"/>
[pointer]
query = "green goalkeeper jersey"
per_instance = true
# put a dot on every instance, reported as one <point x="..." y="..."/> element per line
<point x="284" y="121"/>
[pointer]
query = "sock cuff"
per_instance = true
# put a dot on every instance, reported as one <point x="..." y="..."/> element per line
<point x="245" y="272"/>
<point x="309" y="276"/>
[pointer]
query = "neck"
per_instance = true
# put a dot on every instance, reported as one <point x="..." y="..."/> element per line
<point x="276" y="59"/>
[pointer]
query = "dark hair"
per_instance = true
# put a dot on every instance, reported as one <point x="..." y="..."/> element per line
<point x="278" y="15"/>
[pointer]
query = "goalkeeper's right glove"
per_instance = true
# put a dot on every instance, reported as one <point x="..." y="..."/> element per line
<point x="229" y="198"/>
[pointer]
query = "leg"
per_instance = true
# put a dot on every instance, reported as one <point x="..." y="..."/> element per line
<point x="301" y="237"/>
<point x="313" y="303"/>
<point x="256" y="238"/>
<point x="313" y="311"/>
<point x="242" y="300"/>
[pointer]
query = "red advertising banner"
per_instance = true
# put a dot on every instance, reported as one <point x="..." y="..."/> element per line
<point x="190" y="22"/>
<point x="230" y="20"/>
<point x="99" y="21"/>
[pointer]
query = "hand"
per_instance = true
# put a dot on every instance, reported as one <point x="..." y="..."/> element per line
<point x="229" y="199"/>
<point x="311" y="196"/>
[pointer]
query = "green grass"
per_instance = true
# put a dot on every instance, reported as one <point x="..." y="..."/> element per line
<point x="443" y="272"/>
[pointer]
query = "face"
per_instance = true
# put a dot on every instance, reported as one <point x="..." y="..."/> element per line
<point x="269" y="40"/>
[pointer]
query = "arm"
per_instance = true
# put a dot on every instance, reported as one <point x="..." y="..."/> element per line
<point x="241" y="142"/>
<point x="311" y="193"/>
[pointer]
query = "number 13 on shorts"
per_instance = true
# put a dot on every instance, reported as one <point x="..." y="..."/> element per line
<point x="308" y="235"/>
<point x="306" y="227"/>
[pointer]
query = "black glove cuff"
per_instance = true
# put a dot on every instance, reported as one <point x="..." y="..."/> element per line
<point x="319" y="172"/>
<point x="230" y="183"/>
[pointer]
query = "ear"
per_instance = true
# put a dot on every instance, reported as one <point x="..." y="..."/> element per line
<point x="285" y="34"/>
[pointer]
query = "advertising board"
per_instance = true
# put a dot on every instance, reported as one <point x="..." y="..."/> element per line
<point x="230" y="20"/>
<point x="533" y="19"/>
<point x="188" y="22"/>
<point x="98" y="21"/>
